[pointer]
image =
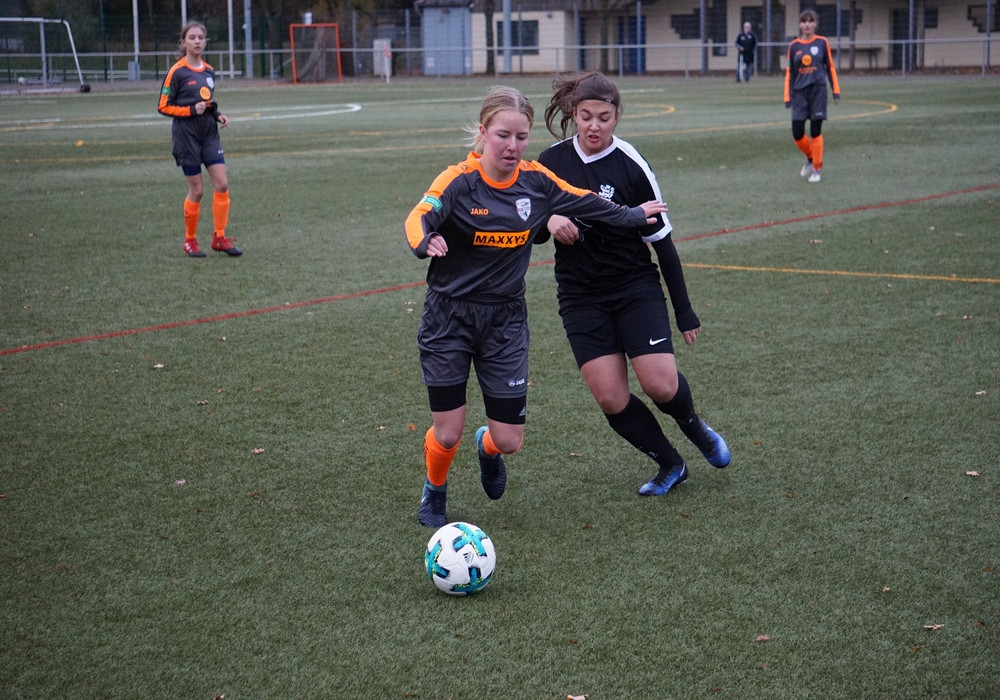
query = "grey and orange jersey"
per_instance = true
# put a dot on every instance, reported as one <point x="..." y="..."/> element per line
<point x="489" y="226"/>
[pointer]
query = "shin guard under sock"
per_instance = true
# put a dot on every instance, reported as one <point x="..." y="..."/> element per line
<point x="639" y="427"/>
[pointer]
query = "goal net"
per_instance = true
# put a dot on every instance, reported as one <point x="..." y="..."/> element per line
<point x="315" y="53"/>
<point x="44" y="74"/>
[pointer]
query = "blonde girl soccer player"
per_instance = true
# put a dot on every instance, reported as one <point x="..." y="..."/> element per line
<point x="188" y="95"/>
<point x="477" y="223"/>
<point x="612" y="305"/>
<point x="810" y="65"/>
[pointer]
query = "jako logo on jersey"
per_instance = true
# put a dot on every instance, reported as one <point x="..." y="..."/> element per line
<point x="434" y="202"/>
<point x="523" y="208"/>
<point x="607" y="192"/>
<point x="501" y="240"/>
<point x="479" y="211"/>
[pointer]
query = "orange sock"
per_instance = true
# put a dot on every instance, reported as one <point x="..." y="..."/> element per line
<point x="490" y="447"/>
<point x="438" y="458"/>
<point x="220" y="210"/>
<point x="192" y="210"/>
<point x="817" y="150"/>
<point x="805" y="146"/>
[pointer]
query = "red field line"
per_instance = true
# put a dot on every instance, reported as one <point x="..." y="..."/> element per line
<point x="840" y="212"/>
<point x="209" y="319"/>
<point x="369" y="292"/>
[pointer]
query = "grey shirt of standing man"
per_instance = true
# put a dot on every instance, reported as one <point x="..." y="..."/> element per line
<point x="746" y="47"/>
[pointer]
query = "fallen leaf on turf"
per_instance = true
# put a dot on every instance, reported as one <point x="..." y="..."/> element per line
<point x="981" y="393"/>
<point x="972" y="473"/>
<point x="258" y="450"/>
<point x="180" y="482"/>
<point x="917" y="648"/>
<point x="765" y="667"/>
<point x="886" y="589"/>
<point x="977" y="623"/>
<point x="413" y="426"/>
<point x="158" y="365"/>
<point x="816" y="240"/>
<point x="933" y="627"/>
<point x="202" y="403"/>
<point x="576" y="697"/>
<point x="762" y="638"/>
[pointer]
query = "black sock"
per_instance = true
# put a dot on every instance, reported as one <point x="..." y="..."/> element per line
<point x="639" y="427"/>
<point x="681" y="408"/>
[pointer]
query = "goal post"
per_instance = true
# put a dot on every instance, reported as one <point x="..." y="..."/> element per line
<point x="41" y="22"/>
<point x="315" y="53"/>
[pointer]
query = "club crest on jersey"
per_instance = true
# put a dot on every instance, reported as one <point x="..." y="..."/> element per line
<point x="523" y="208"/>
<point x="607" y="192"/>
<point x="210" y="81"/>
<point x="814" y="50"/>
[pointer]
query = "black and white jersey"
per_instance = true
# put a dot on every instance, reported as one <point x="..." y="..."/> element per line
<point x="606" y="257"/>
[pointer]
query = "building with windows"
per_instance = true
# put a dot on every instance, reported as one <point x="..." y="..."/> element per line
<point x="696" y="36"/>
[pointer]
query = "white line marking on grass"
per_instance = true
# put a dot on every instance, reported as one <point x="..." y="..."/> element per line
<point x="251" y="115"/>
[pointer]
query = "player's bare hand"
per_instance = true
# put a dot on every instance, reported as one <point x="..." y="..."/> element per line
<point x="691" y="335"/>
<point x="437" y="246"/>
<point x="653" y="208"/>
<point x="223" y="121"/>
<point x="200" y="107"/>
<point x="563" y="230"/>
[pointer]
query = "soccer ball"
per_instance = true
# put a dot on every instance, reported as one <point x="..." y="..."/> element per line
<point x="460" y="558"/>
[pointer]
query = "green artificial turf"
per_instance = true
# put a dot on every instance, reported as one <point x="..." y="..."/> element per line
<point x="210" y="469"/>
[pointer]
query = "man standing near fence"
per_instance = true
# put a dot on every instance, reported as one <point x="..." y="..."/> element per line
<point x="746" y="47"/>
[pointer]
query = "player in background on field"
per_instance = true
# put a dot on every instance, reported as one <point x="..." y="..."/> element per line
<point x="612" y="305"/>
<point x="746" y="48"/>
<point x="477" y="223"/>
<point x="187" y="95"/>
<point x="810" y="65"/>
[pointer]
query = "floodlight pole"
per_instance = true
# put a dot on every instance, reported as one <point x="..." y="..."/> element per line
<point x="247" y="39"/>
<point x="135" y="29"/>
<point x="231" y="69"/>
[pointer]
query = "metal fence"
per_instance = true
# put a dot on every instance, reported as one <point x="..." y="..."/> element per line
<point x="55" y="68"/>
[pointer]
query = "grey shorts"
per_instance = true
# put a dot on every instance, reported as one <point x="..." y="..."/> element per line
<point x="456" y="334"/>
<point x="196" y="143"/>
<point x="809" y="103"/>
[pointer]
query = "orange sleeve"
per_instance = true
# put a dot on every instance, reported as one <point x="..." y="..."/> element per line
<point x="834" y="81"/>
<point x="535" y="165"/>
<point x="428" y="208"/>
<point x="788" y="75"/>
<point x="164" y="106"/>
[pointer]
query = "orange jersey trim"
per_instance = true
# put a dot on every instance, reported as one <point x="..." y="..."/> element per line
<point x="164" y="106"/>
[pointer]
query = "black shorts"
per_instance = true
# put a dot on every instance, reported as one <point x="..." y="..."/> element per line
<point x="455" y="334"/>
<point x="635" y="322"/>
<point x="809" y="103"/>
<point x="196" y="142"/>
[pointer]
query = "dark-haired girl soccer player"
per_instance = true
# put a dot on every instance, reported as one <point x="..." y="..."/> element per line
<point x="187" y="95"/>
<point x="477" y="223"/>
<point x="610" y="298"/>
<point x="810" y="65"/>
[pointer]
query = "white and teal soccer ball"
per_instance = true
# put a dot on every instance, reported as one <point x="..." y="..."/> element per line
<point x="460" y="558"/>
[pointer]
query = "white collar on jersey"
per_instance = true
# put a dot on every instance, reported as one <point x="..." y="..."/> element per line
<point x="597" y="156"/>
